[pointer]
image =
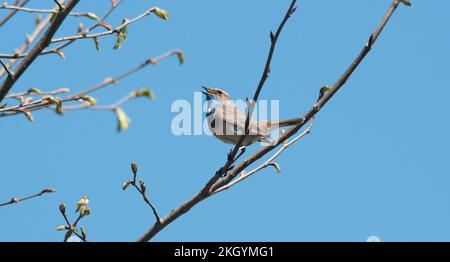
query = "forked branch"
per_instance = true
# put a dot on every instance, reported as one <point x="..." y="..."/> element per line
<point x="217" y="184"/>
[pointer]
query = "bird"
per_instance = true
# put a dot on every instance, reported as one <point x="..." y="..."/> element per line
<point x="227" y="122"/>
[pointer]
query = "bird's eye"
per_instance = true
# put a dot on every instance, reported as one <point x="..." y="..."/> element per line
<point x="219" y="91"/>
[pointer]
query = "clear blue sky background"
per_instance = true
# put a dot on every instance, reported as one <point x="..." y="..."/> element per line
<point x="375" y="164"/>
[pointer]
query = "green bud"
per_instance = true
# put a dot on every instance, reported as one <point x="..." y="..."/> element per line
<point x="161" y="13"/>
<point x="406" y="2"/>
<point x="92" y="16"/>
<point x="181" y="57"/>
<point x="276" y="166"/>
<point x="62" y="208"/>
<point x="89" y="99"/>
<point x="34" y="91"/>
<point x="85" y="212"/>
<point x="147" y="92"/>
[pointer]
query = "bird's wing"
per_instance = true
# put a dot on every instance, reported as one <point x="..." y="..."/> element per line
<point x="231" y="120"/>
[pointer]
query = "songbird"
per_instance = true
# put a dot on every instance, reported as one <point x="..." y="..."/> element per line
<point x="227" y="122"/>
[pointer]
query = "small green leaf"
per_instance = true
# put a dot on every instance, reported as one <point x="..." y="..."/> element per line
<point x="92" y="16"/>
<point x="38" y="19"/>
<point x="181" y="57"/>
<point x="34" y="91"/>
<point x="123" y="122"/>
<point x="161" y="13"/>
<point x="124" y="30"/>
<point x="323" y="91"/>
<point x="276" y="166"/>
<point x="89" y="99"/>
<point x="118" y="43"/>
<point x="406" y="2"/>
<point x="97" y="43"/>
<point x="56" y="101"/>
<point x="85" y="212"/>
<point x="27" y="114"/>
<point x="147" y="92"/>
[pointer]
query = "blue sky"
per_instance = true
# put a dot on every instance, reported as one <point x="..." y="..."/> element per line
<point x="376" y="162"/>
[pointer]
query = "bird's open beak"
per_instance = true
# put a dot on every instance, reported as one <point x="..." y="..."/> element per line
<point x="207" y="91"/>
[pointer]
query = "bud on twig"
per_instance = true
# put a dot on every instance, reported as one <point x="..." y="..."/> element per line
<point x="134" y="168"/>
<point x="161" y="13"/>
<point x="62" y="208"/>
<point x="62" y="227"/>
<point x="48" y="190"/>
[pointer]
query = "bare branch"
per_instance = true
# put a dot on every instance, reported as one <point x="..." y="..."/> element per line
<point x="43" y="103"/>
<point x="37" y="49"/>
<point x="267" y="163"/>
<point x="232" y="155"/>
<point x="13" y="12"/>
<point x="205" y="192"/>
<point x="10" y="74"/>
<point x="28" y="41"/>
<point x="109" y="32"/>
<point x="71" y="228"/>
<point x="48" y="11"/>
<point x="17" y="200"/>
<point x="142" y="188"/>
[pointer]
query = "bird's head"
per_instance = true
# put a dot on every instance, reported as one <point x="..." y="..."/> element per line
<point x="215" y="93"/>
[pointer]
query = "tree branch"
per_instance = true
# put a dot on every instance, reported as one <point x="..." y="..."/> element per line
<point x="17" y="200"/>
<point x="109" y="32"/>
<point x="64" y="45"/>
<point x="13" y="12"/>
<point x="232" y="155"/>
<point x="32" y="105"/>
<point x="187" y="205"/>
<point x="142" y="188"/>
<point x="37" y="49"/>
<point x="5" y="67"/>
<point x="47" y="11"/>
<point x="28" y="41"/>
<point x="269" y="162"/>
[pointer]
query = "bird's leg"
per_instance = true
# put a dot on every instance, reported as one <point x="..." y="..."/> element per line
<point x="242" y="151"/>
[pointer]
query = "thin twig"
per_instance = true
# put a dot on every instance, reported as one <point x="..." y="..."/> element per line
<point x="47" y="11"/>
<point x="200" y="196"/>
<point x="232" y="155"/>
<point x="10" y="74"/>
<point x="13" y="12"/>
<point x="267" y="163"/>
<point x="109" y="32"/>
<point x="37" y="49"/>
<point x="112" y="80"/>
<point x="18" y="200"/>
<point x="60" y="5"/>
<point x="41" y="103"/>
<point x="28" y="41"/>
<point x="142" y="190"/>
<point x="63" y="45"/>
